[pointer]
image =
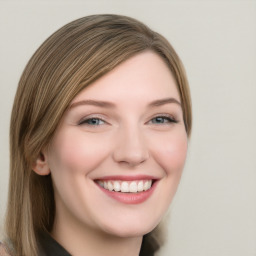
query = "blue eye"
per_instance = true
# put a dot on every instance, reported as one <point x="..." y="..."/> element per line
<point x="92" y="121"/>
<point x="163" y="120"/>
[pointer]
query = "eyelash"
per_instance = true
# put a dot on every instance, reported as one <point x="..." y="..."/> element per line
<point x="166" y="118"/>
<point x="86" y="121"/>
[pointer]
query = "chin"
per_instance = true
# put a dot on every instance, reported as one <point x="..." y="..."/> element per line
<point x="125" y="230"/>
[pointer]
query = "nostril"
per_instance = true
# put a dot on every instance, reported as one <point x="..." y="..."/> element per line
<point x="131" y="148"/>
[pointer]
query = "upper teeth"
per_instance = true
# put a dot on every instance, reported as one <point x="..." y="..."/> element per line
<point x="126" y="186"/>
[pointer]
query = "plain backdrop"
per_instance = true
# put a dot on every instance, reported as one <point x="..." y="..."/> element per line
<point x="214" y="211"/>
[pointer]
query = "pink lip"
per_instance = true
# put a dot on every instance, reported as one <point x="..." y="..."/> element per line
<point x="128" y="178"/>
<point x="129" y="198"/>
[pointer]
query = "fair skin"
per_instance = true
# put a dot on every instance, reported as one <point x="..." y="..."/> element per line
<point x="127" y="127"/>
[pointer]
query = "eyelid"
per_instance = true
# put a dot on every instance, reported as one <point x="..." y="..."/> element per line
<point x="171" y="118"/>
<point x="84" y="119"/>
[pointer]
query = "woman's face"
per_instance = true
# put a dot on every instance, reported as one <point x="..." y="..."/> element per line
<point x="117" y="157"/>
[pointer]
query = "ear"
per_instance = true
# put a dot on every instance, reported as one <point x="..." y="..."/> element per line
<point x="41" y="166"/>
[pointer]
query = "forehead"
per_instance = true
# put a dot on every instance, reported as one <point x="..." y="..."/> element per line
<point x="144" y="76"/>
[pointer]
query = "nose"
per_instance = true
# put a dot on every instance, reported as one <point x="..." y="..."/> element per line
<point x="131" y="148"/>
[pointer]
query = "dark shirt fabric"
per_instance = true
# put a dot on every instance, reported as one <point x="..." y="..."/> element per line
<point x="49" y="247"/>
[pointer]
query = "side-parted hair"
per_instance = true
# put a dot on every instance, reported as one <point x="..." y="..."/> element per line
<point x="67" y="62"/>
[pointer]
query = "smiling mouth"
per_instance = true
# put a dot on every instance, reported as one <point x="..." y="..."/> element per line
<point x="126" y="186"/>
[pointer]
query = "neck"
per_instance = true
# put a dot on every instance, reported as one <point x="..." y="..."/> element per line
<point x="78" y="240"/>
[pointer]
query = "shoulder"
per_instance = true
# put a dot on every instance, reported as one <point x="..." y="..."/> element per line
<point x="3" y="250"/>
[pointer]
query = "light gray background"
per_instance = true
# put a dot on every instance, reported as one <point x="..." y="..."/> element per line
<point x="214" y="211"/>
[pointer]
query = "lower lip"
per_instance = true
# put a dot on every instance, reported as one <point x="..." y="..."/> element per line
<point x="130" y="198"/>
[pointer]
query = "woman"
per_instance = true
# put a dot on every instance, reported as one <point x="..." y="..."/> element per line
<point x="98" y="138"/>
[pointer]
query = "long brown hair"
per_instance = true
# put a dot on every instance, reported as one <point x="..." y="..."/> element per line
<point x="68" y="61"/>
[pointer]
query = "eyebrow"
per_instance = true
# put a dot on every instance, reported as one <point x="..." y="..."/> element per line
<point x="97" y="103"/>
<point x="161" y="102"/>
<point x="106" y="104"/>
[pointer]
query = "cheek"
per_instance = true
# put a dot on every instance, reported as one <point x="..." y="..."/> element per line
<point x="171" y="152"/>
<point x="76" y="153"/>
